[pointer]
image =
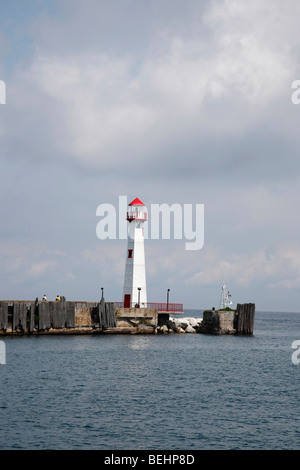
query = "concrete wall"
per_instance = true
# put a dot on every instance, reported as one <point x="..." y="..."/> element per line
<point x="133" y="317"/>
<point x="218" y="322"/>
<point x="226" y="321"/>
<point x="83" y="316"/>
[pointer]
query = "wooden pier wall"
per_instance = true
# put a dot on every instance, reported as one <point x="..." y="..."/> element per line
<point x="244" y="319"/>
<point x="28" y="317"/>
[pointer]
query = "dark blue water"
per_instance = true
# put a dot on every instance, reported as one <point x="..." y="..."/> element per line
<point x="187" y="392"/>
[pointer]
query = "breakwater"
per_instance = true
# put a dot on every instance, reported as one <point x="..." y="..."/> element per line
<point x="69" y="317"/>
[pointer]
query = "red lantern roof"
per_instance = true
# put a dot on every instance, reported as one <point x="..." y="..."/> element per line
<point x="136" y="202"/>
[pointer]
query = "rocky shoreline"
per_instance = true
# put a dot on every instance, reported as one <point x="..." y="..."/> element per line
<point x="180" y="325"/>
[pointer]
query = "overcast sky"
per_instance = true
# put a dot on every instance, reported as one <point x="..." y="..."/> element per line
<point x="173" y="101"/>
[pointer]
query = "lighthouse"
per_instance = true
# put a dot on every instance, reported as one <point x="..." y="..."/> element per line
<point x="135" y="292"/>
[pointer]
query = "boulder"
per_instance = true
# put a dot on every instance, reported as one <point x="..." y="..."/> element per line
<point x="193" y="321"/>
<point x="190" y="329"/>
<point x="179" y="330"/>
<point x="186" y="325"/>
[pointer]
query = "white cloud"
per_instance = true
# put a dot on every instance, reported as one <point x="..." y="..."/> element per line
<point x="21" y="261"/>
<point x="88" y="104"/>
<point x="40" y="268"/>
<point x="103" y="110"/>
<point x="280" y="268"/>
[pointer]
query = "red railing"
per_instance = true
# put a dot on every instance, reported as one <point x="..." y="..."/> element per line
<point x="166" y="307"/>
<point x="162" y="307"/>
<point x="136" y="216"/>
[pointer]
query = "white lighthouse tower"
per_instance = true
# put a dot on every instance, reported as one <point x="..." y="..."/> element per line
<point x="135" y="292"/>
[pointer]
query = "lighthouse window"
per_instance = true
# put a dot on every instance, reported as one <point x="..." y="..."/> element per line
<point x="130" y="253"/>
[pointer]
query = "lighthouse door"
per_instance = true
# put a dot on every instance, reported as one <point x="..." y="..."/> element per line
<point x="127" y="300"/>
